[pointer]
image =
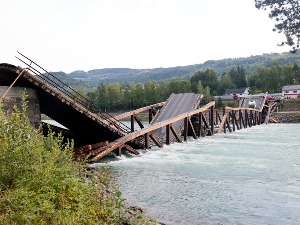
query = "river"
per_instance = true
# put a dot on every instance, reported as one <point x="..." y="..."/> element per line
<point x="251" y="176"/>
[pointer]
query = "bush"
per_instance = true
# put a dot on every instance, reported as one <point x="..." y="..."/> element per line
<point x="40" y="184"/>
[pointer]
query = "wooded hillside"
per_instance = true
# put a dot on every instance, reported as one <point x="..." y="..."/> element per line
<point x="250" y="64"/>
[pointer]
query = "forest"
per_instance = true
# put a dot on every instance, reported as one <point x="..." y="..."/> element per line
<point x="94" y="78"/>
<point x="116" y="96"/>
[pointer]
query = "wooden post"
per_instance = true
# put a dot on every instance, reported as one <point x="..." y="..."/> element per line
<point x="217" y="117"/>
<point x="168" y="135"/>
<point x="147" y="141"/>
<point x="150" y="115"/>
<point x="138" y="121"/>
<point x="175" y="134"/>
<point x="119" y="151"/>
<point x="251" y="118"/>
<point x="246" y="119"/>
<point x="260" y="118"/>
<point x="224" y="115"/>
<point x="212" y="125"/>
<point x="192" y="128"/>
<point x="233" y="119"/>
<point x="132" y="123"/>
<point x="200" y="125"/>
<point x="240" y="118"/>
<point x="185" y="130"/>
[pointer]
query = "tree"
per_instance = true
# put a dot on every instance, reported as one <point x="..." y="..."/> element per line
<point x="200" y="88"/>
<point x="151" y="92"/>
<point x="286" y="14"/>
<point x="179" y="85"/>
<point x="296" y="71"/>
<point x="164" y="91"/>
<point x="208" y="78"/>
<point x="225" y="83"/>
<point x="114" y="95"/>
<point x="238" y="77"/>
<point x="206" y="95"/>
<point x="103" y="96"/>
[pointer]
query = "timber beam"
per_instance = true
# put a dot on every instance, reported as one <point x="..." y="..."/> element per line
<point x="137" y="111"/>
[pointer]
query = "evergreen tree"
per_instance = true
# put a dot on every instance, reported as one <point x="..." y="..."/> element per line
<point x="238" y="77"/>
<point x="224" y="84"/>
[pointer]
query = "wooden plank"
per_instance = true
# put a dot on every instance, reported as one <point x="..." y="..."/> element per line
<point x="236" y="109"/>
<point x="222" y="123"/>
<point x="206" y="124"/>
<point x="192" y="128"/>
<point x="156" y="141"/>
<point x="175" y="134"/>
<point x="228" y="124"/>
<point x="137" y="111"/>
<point x="83" y="149"/>
<point x="99" y="145"/>
<point x="138" y="121"/>
<point x="132" y="150"/>
<point x="224" y="114"/>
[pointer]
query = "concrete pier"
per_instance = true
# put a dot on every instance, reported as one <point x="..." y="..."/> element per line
<point x="14" y="97"/>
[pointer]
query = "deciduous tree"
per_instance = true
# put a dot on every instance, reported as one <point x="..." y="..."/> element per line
<point x="287" y="16"/>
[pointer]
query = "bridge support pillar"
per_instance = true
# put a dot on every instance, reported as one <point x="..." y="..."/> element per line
<point x="14" y="97"/>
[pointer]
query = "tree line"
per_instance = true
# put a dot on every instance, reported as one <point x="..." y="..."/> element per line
<point x="114" y="96"/>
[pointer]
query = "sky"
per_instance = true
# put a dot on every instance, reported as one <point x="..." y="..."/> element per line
<point x="69" y="35"/>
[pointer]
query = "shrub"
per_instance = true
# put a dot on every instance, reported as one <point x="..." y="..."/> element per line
<point x="40" y="184"/>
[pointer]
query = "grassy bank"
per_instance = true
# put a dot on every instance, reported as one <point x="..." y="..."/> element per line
<point x="40" y="184"/>
<point x="290" y="105"/>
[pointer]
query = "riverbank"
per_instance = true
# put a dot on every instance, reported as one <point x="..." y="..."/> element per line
<point x="287" y="117"/>
<point x="288" y="111"/>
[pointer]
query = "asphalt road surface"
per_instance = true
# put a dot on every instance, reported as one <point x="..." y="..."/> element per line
<point x="176" y="104"/>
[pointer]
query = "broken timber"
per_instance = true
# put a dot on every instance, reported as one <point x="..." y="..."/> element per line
<point x="226" y="119"/>
<point x="99" y="153"/>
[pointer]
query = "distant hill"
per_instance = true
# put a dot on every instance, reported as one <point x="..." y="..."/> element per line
<point x="95" y="77"/>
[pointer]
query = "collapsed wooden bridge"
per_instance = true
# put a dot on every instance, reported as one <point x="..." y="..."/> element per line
<point x="101" y="134"/>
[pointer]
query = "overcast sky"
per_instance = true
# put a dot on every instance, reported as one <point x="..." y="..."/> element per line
<point x="69" y="35"/>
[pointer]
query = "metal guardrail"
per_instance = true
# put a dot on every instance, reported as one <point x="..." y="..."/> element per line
<point x="48" y="78"/>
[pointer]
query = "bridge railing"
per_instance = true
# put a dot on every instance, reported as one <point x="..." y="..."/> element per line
<point x="48" y="78"/>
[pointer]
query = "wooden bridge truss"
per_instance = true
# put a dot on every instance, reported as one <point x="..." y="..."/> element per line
<point x="199" y="122"/>
<point x="209" y="121"/>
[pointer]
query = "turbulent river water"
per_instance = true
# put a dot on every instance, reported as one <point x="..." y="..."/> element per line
<point x="251" y="176"/>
